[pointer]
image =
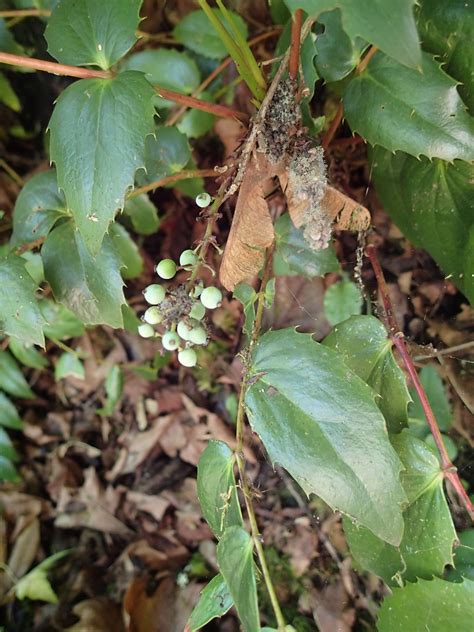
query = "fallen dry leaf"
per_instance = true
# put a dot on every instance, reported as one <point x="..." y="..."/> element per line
<point x="97" y="615"/>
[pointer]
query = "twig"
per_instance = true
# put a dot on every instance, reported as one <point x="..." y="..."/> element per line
<point x="294" y="61"/>
<point x="176" y="177"/>
<point x="199" y="104"/>
<point x="441" y="352"/>
<point x="24" y="13"/>
<point x="52" y="67"/>
<point x="449" y="470"/>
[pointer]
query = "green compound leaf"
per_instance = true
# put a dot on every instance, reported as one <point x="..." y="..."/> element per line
<point x="295" y="251"/>
<point x="20" y="316"/>
<point x="196" y="32"/>
<point x="90" y="287"/>
<point x="235" y="559"/>
<point x="447" y="29"/>
<point x="427" y="543"/>
<point x="388" y="25"/>
<point x="436" y="605"/>
<point x="98" y="131"/>
<point x="87" y="32"/>
<point x="9" y="417"/>
<point x="216" y="488"/>
<point x="142" y="214"/>
<point x="402" y="109"/>
<point x="342" y="300"/>
<point x="127" y="250"/>
<point x="319" y="421"/>
<point x="12" y="380"/>
<point x="38" y="207"/>
<point x="337" y="55"/>
<point x="166" y="153"/>
<point x="362" y="343"/>
<point x="215" y="601"/>
<point x="431" y="202"/>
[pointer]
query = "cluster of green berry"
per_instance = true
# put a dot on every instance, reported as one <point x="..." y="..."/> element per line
<point x="179" y="311"/>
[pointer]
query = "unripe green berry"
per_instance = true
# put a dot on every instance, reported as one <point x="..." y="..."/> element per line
<point x="203" y="200"/>
<point x="187" y="357"/>
<point x="170" y="340"/>
<point x="211" y="297"/>
<point x="166" y="269"/>
<point x="183" y="330"/>
<point x="154" y="294"/>
<point x="198" y="311"/>
<point x="188" y="258"/>
<point x="146" y="331"/>
<point x="198" y="336"/>
<point x="153" y="316"/>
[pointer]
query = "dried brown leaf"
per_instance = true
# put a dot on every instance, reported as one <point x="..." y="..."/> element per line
<point x="99" y="614"/>
<point x="346" y="212"/>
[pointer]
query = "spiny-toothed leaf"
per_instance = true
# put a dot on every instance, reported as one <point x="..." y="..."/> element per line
<point x="216" y="488"/>
<point x="427" y="543"/>
<point x="38" y="207"/>
<point x="20" y="316"/>
<point x="389" y="25"/>
<point x="127" y="250"/>
<point x="341" y="301"/>
<point x="420" y="113"/>
<point x="436" y="605"/>
<point x="432" y="203"/>
<point x="362" y="343"/>
<point x="91" y="287"/>
<point x="319" y="421"/>
<point x="12" y="380"/>
<point x="166" y="153"/>
<point x="98" y="131"/>
<point x="87" y="32"/>
<point x="214" y="601"/>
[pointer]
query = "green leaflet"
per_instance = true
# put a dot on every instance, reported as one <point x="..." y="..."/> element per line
<point x="400" y="108"/>
<point x="7" y="94"/>
<point x="216" y="488"/>
<point x="12" y="380"/>
<point x="20" y="316"/>
<point x="196" y="32"/>
<point x="434" y="389"/>
<point x="427" y="543"/>
<point x="7" y="451"/>
<point x="95" y="33"/>
<point x="27" y="355"/>
<point x="388" y="25"/>
<point x="131" y="260"/>
<point x="37" y="208"/>
<point x="142" y="214"/>
<point x="431" y="202"/>
<point x="447" y="29"/>
<point x="319" y="421"/>
<point x="8" y="471"/>
<point x="69" y="365"/>
<point x="295" y="251"/>
<point x="247" y="296"/>
<point x="362" y="343"/>
<point x="90" y="287"/>
<point x="98" y="131"/>
<point x="167" y="152"/>
<point x="235" y="559"/>
<point x="9" y="417"/>
<point x="215" y="601"/>
<point x="436" y="605"/>
<point x="342" y="300"/>
<point x="114" y="388"/>
<point x="61" y="324"/>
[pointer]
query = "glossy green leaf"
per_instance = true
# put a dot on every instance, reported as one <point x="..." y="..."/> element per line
<point x="7" y="451"/>
<point x="319" y="421"/>
<point x="216" y="488"/>
<point x="427" y="543"/>
<point x="432" y="203"/>
<point x="235" y="559"/>
<point x="61" y="324"/>
<point x="214" y="601"/>
<point x="166" y="153"/>
<point x="342" y="300"/>
<point x="127" y="250"/>
<point x="8" y="471"/>
<point x="247" y="296"/>
<point x="8" y="95"/>
<point x="464" y="556"/>
<point x="142" y="214"/>
<point x="436" y="605"/>
<point x="9" y="417"/>
<point x="400" y="108"/>
<point x="296" y="252"/>
<point x="90" y="287"/>
<point x="87" y="32"/>
<point x="196" y="32"/>
<point x="27" y="355"/>
<point x="38" y="207"/>
<point x="114" y="388"/>
<point x="7" y="41"/>
<point x="447" y="29"/>
<point x="20" y="316"/>
<point x="362" y="343"/>
<point x="337" y="54"/>
<point x="34" y="266"/>
<point x="388" y="25"/>
<point x="69" y="365"/>
<point x="12" y="380"/>
<point x="195" y="123"/>
<point x="435" y="391"/>
<point x="98" y="131"/>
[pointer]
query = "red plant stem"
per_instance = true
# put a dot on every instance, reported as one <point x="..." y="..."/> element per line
<point x="205" y="106"/>
<point x="294" y="63"/>
<point x="176" y="177"/>
<point x="397" y="337"/>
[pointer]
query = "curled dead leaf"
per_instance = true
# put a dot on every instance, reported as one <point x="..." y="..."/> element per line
<point x="344" y="211"/>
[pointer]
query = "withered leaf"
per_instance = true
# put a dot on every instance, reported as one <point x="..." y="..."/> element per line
<point x="252" y="227"/>
<point x="344" y="211"/>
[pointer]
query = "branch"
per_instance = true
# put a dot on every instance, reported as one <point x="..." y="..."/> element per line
<point x="52" y="67"/>
<point x="397" y="337"/>
<point x="199" y="104"/>
<point x="24" y="13"/>
<point x="294" y="63"/>
<point x="176" y="177"/>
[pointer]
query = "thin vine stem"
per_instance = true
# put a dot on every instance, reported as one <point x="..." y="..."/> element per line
<point x="176" y="177"/>
<point x="398" y="339"/>
<point x="294" y="62"/>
